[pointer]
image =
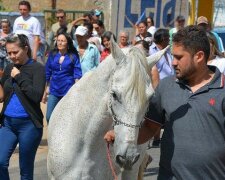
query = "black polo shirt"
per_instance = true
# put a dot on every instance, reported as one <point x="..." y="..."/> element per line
<point x="193" y="142"/>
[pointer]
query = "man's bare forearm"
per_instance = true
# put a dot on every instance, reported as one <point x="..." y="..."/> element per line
<point x="36" y="47"/>
<point x="147" y="131"/>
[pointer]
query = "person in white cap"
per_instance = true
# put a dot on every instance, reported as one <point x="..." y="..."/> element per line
<point x="89" y="54"/>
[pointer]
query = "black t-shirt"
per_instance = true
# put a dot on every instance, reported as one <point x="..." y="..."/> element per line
<point x="193" y="142"/>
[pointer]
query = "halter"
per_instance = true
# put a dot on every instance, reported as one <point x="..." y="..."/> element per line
<point x="117" y="121"/>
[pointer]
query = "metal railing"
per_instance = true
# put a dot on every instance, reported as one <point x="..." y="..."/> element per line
<point x="70" y="16"/>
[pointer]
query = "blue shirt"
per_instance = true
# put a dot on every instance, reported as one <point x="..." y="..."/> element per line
<point x="62" y="76"/>
<point x="164" y="65"/>
<point x="14" y="108"/>
<point x="90" y="59"/>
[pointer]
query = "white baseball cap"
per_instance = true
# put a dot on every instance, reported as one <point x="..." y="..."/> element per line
<point x="81" y="30"/>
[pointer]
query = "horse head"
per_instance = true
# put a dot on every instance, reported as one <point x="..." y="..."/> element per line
<point x="130" y="90"/>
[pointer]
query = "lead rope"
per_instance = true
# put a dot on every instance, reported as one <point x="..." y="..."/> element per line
<point x="110" y="163"/>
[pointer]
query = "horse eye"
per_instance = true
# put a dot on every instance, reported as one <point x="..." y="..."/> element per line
<point x="116" y="97"/>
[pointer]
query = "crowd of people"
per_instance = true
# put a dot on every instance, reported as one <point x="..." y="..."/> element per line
<point x="179" y="105"/>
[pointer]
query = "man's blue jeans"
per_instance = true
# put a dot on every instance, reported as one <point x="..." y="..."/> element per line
<point x="52" y="102"/>
<point x="22" y="131"/>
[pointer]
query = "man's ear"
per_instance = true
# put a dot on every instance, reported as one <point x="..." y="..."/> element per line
<point x="199" y="57"/>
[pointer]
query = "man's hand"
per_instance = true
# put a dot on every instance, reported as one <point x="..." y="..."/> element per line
<point x="110" y="136"/>
<point x="14" y="72"/>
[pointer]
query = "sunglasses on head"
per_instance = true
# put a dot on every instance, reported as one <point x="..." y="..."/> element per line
<point x="4" y="20"/>
<point x="60" y="17"/>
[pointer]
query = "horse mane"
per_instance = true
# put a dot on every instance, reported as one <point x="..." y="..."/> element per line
<point x="136" y="83"/>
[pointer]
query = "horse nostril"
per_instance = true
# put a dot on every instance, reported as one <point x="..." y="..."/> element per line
<point x="120" y="160"/>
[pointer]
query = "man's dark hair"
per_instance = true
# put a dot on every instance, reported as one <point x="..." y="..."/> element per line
<point x="144" y="44"/>
<point x="61" y="11"/>
<point x="88" y="15"/>
<point x="160" y="35"/>
<point x="100" y="23"/>
<point x="25" y="3"/>
<point x="193" y="39"/>
<point x="89" y="26"/>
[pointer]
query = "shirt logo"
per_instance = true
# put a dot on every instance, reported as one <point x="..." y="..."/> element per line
<point x="212" y="101"/>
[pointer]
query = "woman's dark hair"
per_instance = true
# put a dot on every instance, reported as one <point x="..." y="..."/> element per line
<point x="62" y="29"/>
<point x="161" y="35"/>
<point x="152" y="20"/>
<point x="25" y="3"/>
<point x="108" y="35"/>
<point x="70" y="47"/>
<point x="143" y="22"/>
<point x="22" y="41"/>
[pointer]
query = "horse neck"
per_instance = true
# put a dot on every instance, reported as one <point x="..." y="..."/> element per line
<point x="96" y="87"/>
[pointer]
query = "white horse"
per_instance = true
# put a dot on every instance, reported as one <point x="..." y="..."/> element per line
<point x="117" y="93"/>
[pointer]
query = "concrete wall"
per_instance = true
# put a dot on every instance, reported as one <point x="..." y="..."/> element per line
<point x="71" y="5"/>
<point x="117" y="12"/>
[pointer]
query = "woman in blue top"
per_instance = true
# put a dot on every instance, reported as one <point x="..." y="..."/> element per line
<point x="21" y="119"/>
<point x="63" y="69"/>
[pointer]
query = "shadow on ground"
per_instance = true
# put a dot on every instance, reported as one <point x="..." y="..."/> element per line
<point x="151" y="171"/>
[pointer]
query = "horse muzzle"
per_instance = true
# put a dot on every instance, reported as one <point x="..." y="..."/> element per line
<point x="127" y="162"/>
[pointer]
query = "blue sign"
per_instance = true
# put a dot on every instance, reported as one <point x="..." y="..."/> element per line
<point x="162" y="12"/>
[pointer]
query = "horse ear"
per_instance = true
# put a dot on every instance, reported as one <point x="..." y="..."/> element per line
<point x="152" y="59"/>
<point x="117" y="53"/>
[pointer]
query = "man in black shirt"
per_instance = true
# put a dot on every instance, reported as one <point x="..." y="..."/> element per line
<point x="192" y="108"/>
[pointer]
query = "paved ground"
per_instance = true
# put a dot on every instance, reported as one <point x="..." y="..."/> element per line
<point x="152" y="169"/>
<point x="40" y="171"/>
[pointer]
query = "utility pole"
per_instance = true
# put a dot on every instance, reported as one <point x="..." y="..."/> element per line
<point x="53" y="4"/>
<point x="53" y="8"/>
